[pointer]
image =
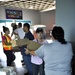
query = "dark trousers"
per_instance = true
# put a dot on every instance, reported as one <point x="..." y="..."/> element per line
<point x="29" y="65"/>
<point x="38" y="69"/>
<point x="27" y="60"/>
<point x="10" y="57"/>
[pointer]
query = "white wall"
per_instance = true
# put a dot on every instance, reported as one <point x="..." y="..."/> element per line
<point x="33" y="16"/>
<point x="65" y="17"/>
<point x="48" y="18"/>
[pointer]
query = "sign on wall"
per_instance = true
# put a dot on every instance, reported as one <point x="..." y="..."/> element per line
<point x="13" y="14"/>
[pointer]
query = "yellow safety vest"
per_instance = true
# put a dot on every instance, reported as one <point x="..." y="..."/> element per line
<point x="7" y="47"/>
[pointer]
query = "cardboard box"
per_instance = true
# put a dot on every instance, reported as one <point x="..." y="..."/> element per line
<point x="19" y="42"/>
<point x="22" y="42"/>
<point x="13" y="43"/>
<point x="31" y="45"/>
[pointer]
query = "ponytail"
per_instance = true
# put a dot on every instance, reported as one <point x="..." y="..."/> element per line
<point x="58" y="34"/>
<point x="62" y="41"/>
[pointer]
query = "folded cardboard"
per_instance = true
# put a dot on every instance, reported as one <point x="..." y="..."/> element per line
<point x="13" y="43"/>
<point x="31" y="45"/>
<point x="19" y="42"/>
<point x="22" y="42"/>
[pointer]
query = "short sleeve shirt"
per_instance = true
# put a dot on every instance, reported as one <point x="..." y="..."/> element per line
<point x="57" y="58"/>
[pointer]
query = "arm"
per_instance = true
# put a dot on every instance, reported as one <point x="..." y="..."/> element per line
<point x="30" y="52"/>
<point x="15" y="31"/>
<point x="11" y="34"/>
<point x="39" y="52"/>
<point x="1" y="34"/>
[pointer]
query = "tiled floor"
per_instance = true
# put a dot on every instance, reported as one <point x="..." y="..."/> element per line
<point x="18" y="65"/>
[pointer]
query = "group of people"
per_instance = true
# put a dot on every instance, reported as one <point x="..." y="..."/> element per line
<point x="50" y="59"/>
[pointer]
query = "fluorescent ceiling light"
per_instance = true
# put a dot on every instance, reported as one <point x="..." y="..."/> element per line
<point x="49" y="9"/>
<point x="31" y="7"/>
<point x="34" y="27"/>
<point x="4" y="0"/>
<point x="38" y="26"/>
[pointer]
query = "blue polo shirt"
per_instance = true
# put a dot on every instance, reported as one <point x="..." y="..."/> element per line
<point x="30" y="36"/>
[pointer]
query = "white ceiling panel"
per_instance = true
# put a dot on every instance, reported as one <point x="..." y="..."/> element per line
<point x="29" y="4"/>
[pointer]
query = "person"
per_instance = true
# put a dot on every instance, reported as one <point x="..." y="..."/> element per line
<point x="57" y="55"/>
<point x="7" y="46"/>
<point x="20" y="31"/>
<point x="27" y="57"/>
<point x="38" y="64"/>
<point x="14" y="27"/>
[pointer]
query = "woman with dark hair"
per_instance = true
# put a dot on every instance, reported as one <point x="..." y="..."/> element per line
<point x="7" y="46"/>
<point x="38" y="64"/>
<point x="57" y="55"/>
<point x="58" y="33"/>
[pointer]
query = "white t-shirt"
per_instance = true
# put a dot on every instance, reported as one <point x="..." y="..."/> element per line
<point x="35" y="59"/>
<point x="20" y="32"/>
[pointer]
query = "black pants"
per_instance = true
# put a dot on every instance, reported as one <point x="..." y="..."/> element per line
<point x="10" y="57"/>
<point x="38" y="69"/>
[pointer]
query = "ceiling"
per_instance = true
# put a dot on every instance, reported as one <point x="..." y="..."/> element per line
<point x="29" y="4"/>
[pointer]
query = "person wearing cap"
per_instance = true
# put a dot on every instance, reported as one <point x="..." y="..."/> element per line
<point x="57" y="55"/>
<point x="7" y="46"/>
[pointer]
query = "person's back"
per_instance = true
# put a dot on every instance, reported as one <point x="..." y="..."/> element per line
<point x="57" y="58"/>
<point x="20" y="32"/>
<point x="57" y="55"/>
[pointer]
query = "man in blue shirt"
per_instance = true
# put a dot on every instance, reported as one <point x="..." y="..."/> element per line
<point x="27" y="57"/>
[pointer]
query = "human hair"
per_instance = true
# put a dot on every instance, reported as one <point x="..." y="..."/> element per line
<point x="26" y="25"/>
<point x="58" y="34"/>
<point x="19" y="24"/>
<point x="5" y="29"/>
<point x="14" y="26"/>
<point x="38" y="30"/>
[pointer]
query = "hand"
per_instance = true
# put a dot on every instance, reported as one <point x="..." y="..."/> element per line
<point x="27" y="51"/>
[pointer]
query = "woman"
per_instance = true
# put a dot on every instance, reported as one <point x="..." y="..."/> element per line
<point x="38" y="65"/>
<point x="57" y="55"/>
<point x="6" y="40"/>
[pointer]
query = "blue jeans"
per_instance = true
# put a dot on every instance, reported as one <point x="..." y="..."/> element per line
<point x="27" y="60"/>
<point x="29" y="65"/>
<point x="38" y="69"/>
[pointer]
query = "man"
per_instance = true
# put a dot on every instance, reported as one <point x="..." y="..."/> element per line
<point x="19" y="31"/>
<point x="27" y="58"/>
